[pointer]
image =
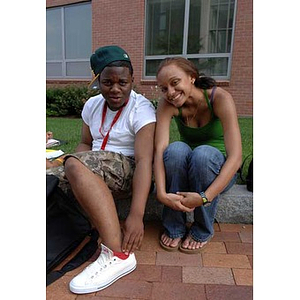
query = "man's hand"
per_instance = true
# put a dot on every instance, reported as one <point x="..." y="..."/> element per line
<point x="133" y="233"/>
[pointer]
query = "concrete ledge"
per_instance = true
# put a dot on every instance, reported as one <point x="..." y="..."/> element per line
<point x="235" y="206"/>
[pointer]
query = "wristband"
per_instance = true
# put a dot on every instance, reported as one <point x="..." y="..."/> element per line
<point x="61" y="160"/>
<point x="205" y="201"/>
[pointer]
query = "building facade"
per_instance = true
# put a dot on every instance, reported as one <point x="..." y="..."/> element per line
<point x="216" y="35"/>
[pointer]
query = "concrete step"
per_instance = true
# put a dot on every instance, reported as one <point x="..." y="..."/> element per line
<point x="235" y="206"/>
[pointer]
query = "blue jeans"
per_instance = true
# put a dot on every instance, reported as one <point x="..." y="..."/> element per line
<point x="190" y="170"/>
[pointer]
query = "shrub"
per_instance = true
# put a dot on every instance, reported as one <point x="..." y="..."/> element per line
<point x="67" y="101"/>
<point x="155" y="95"/>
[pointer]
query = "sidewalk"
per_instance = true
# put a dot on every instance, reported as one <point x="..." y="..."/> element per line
<point x="223" y="271"/>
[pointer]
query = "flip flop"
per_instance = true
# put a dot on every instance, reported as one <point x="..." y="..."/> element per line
<point x="194" y="251"/>
<point x="169" y="248"/>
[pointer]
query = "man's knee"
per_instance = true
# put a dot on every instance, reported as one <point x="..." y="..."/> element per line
<point x="72" y="166"/>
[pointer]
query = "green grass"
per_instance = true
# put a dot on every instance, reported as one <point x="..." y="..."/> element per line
<point x="65" y="129"/>
<point x="70" y="130"/>
<point x="246" y="128"/>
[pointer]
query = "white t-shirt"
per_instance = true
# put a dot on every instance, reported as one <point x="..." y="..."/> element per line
<point x="138" y="112"/>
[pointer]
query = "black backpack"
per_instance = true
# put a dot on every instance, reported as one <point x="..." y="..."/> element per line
<point x="249" y="177"/>
<point x="67" y="227"/>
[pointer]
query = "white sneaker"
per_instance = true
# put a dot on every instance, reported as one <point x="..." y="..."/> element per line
<point x="102" y="272"/>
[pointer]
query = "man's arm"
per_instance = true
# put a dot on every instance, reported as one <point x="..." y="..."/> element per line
<point x="134" y="227"/>
<point x="86" y="139"/>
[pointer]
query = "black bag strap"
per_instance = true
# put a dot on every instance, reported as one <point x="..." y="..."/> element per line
<point x="242" y="167"/>
<point x="82" y="256"/>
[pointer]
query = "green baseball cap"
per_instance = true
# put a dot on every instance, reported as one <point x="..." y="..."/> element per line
<point x="103" y="56"/>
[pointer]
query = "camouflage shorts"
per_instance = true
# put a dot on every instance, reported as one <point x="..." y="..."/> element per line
<point x="115" y="169"/>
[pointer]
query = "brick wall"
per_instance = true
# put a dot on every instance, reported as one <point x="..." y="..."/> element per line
<point x="241" y="82"/>
<point x="122" y="23"/>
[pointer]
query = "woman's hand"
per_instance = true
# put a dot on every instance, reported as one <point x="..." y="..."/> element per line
<point x="175" y="201"/>
<point x="190" y="199"/>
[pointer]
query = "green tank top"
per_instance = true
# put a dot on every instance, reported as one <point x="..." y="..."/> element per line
<point x="211" y="134"/>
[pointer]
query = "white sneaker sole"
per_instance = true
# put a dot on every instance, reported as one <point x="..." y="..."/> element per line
<point x="84" y="290"/>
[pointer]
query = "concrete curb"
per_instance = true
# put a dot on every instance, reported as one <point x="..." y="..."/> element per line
<point x="235" y="206"/>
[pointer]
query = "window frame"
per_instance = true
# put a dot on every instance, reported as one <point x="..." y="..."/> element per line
<point x="64" y="61"/>
<point x="185" y="44"/>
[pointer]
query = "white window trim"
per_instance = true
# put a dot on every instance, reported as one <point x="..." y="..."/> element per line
<point x="64" y="61"/>
<point x="184" y="50"/>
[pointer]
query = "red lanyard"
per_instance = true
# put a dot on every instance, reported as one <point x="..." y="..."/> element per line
<point x="112" y="123"/>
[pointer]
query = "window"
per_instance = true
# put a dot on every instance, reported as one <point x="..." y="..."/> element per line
<point x="69" y="41"/>
<point x="199" y="30"/>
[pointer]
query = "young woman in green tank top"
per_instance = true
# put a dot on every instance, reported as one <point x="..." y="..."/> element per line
<point x="191" y="173"/>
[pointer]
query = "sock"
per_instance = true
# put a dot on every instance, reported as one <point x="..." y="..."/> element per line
<point x="121" y="255"/>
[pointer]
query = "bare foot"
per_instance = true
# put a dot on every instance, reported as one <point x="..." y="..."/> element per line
<point x="190" y="243"/>
<point x="169" y="242"/>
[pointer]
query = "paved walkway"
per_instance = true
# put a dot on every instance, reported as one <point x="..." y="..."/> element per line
<point x="223" y="271"/>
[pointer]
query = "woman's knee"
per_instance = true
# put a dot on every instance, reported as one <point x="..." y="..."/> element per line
<point x="176" y="154"/>
<point x="207" y="155"/>
<point x="177" y="149"/>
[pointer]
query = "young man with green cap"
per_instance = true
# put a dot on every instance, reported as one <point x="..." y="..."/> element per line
<point x="113" y="159"/>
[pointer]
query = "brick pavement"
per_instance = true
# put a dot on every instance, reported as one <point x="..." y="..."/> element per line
<point x="223" y="271"/>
